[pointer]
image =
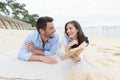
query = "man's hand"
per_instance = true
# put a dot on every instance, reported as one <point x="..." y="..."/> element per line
<point x="48" y="60"/>
<point x="30" y="47"/>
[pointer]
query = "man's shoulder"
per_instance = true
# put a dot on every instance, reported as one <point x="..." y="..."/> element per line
<point x="33" y="34"/>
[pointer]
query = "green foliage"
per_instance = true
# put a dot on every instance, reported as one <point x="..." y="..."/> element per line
<point x="31" y="19"/>
<point x="3" y="8"/>
<point x="17" y="11"/>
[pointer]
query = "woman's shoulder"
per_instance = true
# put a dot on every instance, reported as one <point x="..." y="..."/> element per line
<point x="63" y="41"/>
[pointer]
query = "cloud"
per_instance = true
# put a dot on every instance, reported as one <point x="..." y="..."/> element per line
<point x="72" y="7"/>
<point x="86" y="11"/>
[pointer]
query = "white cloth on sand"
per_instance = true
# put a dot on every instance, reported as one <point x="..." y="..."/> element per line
<point x="11" y="67"/>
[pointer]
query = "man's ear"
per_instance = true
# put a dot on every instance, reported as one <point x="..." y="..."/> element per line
<point x="41" y="31"/>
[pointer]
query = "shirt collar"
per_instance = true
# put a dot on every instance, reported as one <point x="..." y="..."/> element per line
<point x="41" y="39"/>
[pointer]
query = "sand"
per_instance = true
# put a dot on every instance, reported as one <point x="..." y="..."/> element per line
<point x="103" y="52"/>
<point x="11" y="39"/>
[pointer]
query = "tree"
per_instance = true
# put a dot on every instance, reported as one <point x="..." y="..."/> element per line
<point x="18" y="11"/>
<point x="3" y="8"/>
<point x="30" y="19"/>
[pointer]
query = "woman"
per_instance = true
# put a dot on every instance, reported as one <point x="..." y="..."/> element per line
<point x="74" y="37"/>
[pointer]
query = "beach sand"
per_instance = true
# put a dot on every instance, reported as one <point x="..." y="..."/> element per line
<point x="103" y="52"/>
<point x="11" y="39"/>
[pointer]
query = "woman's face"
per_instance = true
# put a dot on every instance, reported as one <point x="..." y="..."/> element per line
<point x="71" y="31"/>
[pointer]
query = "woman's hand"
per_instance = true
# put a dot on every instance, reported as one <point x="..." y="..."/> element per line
<point x="75" y="57"/>
<point x="73" y="42"/>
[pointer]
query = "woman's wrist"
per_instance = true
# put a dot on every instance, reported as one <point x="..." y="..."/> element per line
<point x="67" y="48"/>
<point x="69" y="45"/>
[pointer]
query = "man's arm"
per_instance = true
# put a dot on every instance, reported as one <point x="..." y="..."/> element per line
<point x="38" y="55"/>
<point x="31" y="48"/>
<point x="53" y="48"/>
<point x="45" y="59"/>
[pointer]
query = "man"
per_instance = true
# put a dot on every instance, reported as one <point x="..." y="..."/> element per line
<point x="41" y="44"/>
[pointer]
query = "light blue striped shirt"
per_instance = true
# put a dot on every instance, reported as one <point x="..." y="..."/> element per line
<point x="49" y="48"/>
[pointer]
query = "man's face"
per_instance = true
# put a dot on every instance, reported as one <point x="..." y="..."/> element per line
<point x="49" y="31"/>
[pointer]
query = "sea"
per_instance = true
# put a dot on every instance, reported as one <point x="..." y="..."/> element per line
<point x="112" y="31"/>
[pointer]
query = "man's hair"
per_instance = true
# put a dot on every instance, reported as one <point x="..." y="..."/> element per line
<point x="42" y="22"/>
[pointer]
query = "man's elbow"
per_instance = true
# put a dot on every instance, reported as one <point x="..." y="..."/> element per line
<point x="24" y="56"/>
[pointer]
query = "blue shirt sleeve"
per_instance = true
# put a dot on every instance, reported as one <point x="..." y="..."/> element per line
<point x="23" y="52"/>
<point x="23" y="48"/>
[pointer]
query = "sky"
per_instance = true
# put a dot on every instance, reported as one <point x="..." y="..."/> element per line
<point x="86" y="12"/>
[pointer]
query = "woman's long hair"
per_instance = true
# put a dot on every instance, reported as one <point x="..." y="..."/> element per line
<point x="80" y="34"/>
